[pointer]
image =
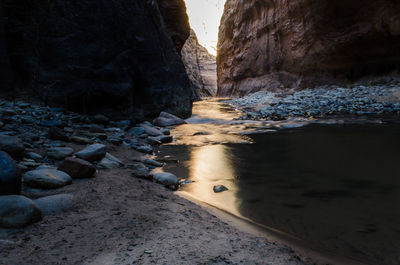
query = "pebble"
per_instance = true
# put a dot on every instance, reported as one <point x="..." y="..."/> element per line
<point x="320" y="101"/>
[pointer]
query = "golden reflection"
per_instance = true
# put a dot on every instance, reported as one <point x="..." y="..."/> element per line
<point x="209" y="166"/>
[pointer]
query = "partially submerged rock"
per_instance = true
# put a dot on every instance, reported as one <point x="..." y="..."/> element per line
<point x="166" y="179"/>
<point x="92" y="152"/>
<point x="18" y="211"/>
<point x="10" y="178"/>
<point x="77" y="168"/>
<point x="219" y="188"/>
<point x="47" y="178"/>
<point x="55" y="204"/>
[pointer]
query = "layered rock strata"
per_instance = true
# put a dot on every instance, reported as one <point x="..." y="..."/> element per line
<point x="276" y="44"/>
<point x="201" y="66"/>
<point x="119" y="58"/>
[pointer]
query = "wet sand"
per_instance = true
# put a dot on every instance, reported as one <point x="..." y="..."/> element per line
<point x="119" y="217"/>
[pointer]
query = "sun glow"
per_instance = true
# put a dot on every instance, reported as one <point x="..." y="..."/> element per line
<point x="204" y="17"/>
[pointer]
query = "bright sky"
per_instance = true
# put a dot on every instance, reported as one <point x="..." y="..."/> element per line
<point x="204" y="17"/>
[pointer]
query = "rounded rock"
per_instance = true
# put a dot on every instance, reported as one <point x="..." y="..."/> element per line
<point x="18" y="211"/>
<point x="47" y="178"/>
<point x="10" y="177"/>
<point x="165" y="178"/>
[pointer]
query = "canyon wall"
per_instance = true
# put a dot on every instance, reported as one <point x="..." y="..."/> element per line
<point x="277" y="44"/>
<point x="201" y="67"/>
<point x="115" y="57"/>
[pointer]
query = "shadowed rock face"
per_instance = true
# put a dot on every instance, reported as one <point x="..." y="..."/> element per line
<point x="115" y="57"/>
<point x="274" y="44"/>
<point x="200" y="66"/>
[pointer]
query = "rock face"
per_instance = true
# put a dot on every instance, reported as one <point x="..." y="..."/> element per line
<point x="119" y="58"/>
<point x="269" y="45"/>
<point x="201" y="67"/>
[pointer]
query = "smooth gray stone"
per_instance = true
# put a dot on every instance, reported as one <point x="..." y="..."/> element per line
<point x="166" y="179"/>
<point x="55" y="204"/>
<point x="151" y="130"/>
<point x="59" y="153"/>
<point x="152" y="162"/>
<point x="47" y="178"/>
<point x="219" y="188"/>
<point x="93" y="152"/>
<point x="18" y="211"/>
<point x="110" y="162"/>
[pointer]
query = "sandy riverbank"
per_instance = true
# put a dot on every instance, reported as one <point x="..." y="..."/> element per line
<point x="118" y="217"/>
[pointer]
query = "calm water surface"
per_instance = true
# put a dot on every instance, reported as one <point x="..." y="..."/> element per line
<point x="336" y="187"/>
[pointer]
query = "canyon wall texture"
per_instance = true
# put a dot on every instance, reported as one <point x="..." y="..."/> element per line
<point x="115" y="57"/>
<point x="201" y="67"/>
<point x="276" y="44"/>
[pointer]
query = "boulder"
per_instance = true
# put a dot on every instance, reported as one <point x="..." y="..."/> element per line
<point x="166" y="179"/>
<point x="92" y="152"/>
<point x="12" y="145"/>
<point x="110" y="162"/>
<point x="10" y="177"/>
<point x="166" y="119"/>
<point x="18" y="211"/>
<point x="77" y="168"/>
<point x="59" y="153"/>
<point x="47" y="178"/>
<point x="55" y="204"/>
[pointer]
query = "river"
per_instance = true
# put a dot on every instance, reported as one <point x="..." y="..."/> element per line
<point x="334" y="184"/>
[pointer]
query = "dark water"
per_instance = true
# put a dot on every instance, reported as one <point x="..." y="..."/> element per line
<point x="336" y="187"/>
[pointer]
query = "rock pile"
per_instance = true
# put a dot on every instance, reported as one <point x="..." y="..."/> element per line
<point x="321" y="102"/>
<point x="41" y="142"/>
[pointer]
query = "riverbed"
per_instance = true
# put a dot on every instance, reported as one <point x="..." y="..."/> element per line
<point x="332" y="183"/>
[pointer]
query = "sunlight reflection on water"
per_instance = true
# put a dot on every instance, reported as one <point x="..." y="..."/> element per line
<point x="213" y="165"/>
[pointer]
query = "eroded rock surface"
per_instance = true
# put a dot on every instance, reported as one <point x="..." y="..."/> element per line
<point x="270" y="45"/>
<point x="119" y="58"/>
<point x="201" y="66"/>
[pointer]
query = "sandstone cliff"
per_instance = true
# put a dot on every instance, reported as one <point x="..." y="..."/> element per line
<point x="200" y="66"/>
<point x="275" y="44"/>
<point x="116" y="57"/>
